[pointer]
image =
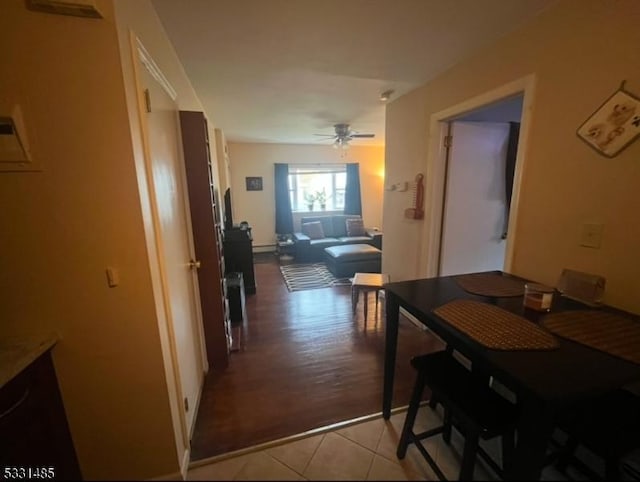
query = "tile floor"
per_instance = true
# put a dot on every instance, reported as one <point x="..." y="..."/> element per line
<point x="362" y="451"/>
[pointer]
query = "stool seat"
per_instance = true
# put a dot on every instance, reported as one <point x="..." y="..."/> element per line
<point x="607" y="425"/>
<point x="365" y="282"/>
<point x="470" y="405"/>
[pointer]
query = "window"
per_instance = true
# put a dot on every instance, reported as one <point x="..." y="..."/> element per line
<point x="308" y="184"/>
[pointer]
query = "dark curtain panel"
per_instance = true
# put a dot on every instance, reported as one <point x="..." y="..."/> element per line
<point x="284" y="220"/>
<point x="510" y="167"/>
<point x="352" y="201"/>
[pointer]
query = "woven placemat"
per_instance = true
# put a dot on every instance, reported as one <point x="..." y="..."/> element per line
<point x="490" y="284"/>
<point x="494" y="327"/>
<point x="606" y="332"/>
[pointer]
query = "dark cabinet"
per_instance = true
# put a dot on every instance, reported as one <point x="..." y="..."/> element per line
<point x="34" y="433"/>
<point x="238" y="249"/>
<point x="207" y="237"/>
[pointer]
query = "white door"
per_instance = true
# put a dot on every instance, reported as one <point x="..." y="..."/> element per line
<point x="173" y="235"/>
<point x="474" y="208"/>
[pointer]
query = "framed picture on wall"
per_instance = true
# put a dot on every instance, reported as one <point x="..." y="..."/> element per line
<point x="615" y="124"/>
<point x="254" y="183"/>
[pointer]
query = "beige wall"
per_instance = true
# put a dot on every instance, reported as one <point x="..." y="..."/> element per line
<point x="63" y="226"/>
<point x="579" y="51"/>
<point x="258" y="207"/>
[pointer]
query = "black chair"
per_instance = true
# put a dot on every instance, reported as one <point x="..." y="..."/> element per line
<point x="470" y="406"/>
<point x="608" y="426"/>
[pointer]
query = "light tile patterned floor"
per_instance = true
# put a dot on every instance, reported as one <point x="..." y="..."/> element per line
<point x="364" y="451"/>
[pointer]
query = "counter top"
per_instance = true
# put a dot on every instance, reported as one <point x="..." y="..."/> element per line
<point x="18" y="352"/>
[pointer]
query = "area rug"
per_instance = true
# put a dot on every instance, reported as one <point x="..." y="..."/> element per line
<point x="300" y="277"/>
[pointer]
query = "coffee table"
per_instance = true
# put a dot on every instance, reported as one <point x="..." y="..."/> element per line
<point x="365" y="283"/>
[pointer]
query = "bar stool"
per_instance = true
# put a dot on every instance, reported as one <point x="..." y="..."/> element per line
<point x="607" y="425"/>
<point x="469" y="405"/>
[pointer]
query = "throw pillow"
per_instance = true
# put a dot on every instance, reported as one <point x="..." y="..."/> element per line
<point x="355" y="227"/>
<point x="313" y="230"/>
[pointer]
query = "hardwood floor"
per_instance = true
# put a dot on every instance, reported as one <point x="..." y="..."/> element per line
<point x="305" y="362"/>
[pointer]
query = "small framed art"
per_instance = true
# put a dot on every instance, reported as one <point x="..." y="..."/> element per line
<point x="615" y="124"/>
<point x="254" y="183"/>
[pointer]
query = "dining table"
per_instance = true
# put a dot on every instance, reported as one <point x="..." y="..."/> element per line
<point x="544" y="381"/>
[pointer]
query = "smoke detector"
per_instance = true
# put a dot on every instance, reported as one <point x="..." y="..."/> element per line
<point x="386" y="95"/>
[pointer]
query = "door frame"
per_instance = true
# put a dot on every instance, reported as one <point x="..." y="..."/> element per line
<point x="437" y="162"/>
<point x="182" y="433"/>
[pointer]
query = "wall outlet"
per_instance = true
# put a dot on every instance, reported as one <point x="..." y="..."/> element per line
<point x="591" y="235"/>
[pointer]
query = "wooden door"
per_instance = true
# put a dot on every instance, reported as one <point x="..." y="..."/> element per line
<point x="166" y="171"/>
<point x="474" y="208"/>
<point x="206" y="237"/>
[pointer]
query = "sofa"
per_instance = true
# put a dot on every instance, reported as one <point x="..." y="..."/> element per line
<point x="332" y="231"/>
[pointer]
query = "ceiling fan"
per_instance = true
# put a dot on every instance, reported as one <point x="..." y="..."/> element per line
<point x="343" y="135"/>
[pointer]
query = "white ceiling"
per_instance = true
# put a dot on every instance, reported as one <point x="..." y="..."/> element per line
<point x="283" y="70"/>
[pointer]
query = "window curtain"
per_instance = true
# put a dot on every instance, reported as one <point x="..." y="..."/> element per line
<point x="352" y="201"/>
<point x="284" y="220"/>
<point x="509" y="171"/>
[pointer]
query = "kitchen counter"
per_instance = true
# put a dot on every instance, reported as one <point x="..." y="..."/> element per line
<point x="18" y="352"/>
<point x="34" y="431"/>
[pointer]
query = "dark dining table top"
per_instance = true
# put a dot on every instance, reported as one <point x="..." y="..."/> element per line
<point x="554" y="377"/>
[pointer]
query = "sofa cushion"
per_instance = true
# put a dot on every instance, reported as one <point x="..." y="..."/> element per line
<point x="340" y="225"/>
<point x="324" y="242"/>
<point x="355" y="227"/>
<point x="313" y="230"/>
<point x="355" y="240"/>
<point x="327" y="224"/>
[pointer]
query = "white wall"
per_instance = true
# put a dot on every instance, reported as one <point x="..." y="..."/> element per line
<point x="565" y="183"/>
<point x="258" y="207"/>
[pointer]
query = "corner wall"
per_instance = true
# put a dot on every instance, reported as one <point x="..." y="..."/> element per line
<point x="258" y="207"/>
<point x="64" y="225"/>
<point x="579" y="51"/>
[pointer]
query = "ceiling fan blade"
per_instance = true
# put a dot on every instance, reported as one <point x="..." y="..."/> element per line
<point x="362" y="135"/>
<point x="325" y="135"/>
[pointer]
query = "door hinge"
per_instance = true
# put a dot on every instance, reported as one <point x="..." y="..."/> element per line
<point x="147" y="100"/>
<point x="448" y="141"/>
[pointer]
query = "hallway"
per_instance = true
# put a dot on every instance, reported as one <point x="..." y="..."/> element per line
<point x="304" y="363"/>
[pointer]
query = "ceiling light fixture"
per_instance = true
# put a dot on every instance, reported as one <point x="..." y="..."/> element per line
<point x="386" y="95"/>
<point x="341" y="143"/>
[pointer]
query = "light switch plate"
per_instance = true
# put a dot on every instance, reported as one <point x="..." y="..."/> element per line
<point x="591" y="235"/>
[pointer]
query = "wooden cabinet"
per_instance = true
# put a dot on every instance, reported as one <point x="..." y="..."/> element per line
<point x="207" y="237"/>
<point x="34" y="433"/>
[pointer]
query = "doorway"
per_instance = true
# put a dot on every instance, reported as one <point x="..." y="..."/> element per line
<point x="182" y="346"/>
<point x="482" y="147"/>
<point x="436" y="173"/>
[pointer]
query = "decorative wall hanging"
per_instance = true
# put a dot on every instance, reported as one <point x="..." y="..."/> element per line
<point x="615" y="124"/>
<point x="416" y="211"/>
<point x="254" y="183"/>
